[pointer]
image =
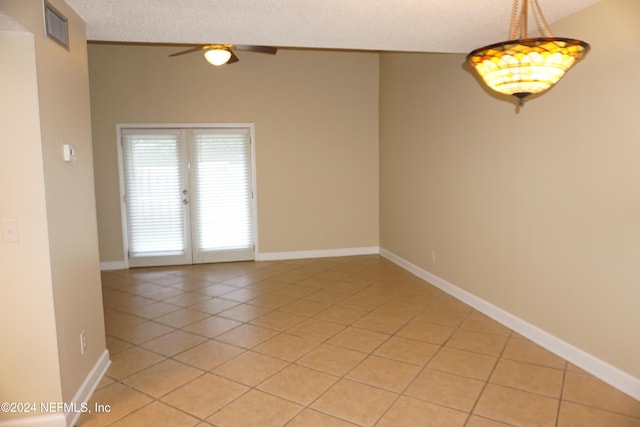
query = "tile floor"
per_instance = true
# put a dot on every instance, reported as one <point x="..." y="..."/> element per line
<point x="353" y="341"/>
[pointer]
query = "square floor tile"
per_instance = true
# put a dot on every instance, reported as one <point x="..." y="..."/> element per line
<point x="130" y="361"/>
<point x="527" y="377"/>
<point x="523" y="350"/>
<point x="204" y="395"/>
<point x="121" y="400"/>
<point x="384" y="373"/>
<point x="298" y="384"/>
<point x="477" y="342"/>
<point x="278" y="320"/>
<point x="574" y="415"/>
<point x="590" y="391"/>
<point x="181" y="318"/>
<point x="173" y="343"/>
<point x="407" y="350"/>
<point x="256" y="409"/>
<point x="358" y="403"/>
<point x="516" y="407"/>
<point x="157" y="414"/>
<point x="162" y="378"/>
<point x="445" y="389"/>
<point x="250" y="368"/>
<point x="427" y="332"/>
<point x="316" y="330"/>
<point x="312" y="418"/>
<point x="209" y="355"/>
<point x="247" y="336"/>
<point x="212" y="326"/>
<point x="359" y="339"/>
<point x="465" y="363"/>
<point x="332" y="359"/>
<point x="286" y="347"/>
<point x="412" y="412"/>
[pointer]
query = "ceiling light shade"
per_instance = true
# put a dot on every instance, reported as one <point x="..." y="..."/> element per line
<point x="526" y="66"/>
<point x="219" y="55"/>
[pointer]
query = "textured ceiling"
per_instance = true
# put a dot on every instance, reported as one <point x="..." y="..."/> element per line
<point x="382" y="25"/>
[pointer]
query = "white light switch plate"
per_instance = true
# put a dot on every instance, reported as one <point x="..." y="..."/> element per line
<point x="10" y="230"/>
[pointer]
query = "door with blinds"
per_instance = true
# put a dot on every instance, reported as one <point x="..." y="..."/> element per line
<point x="188" y="195"/>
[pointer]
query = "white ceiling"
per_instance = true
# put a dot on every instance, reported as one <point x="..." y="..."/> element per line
<point x="381" y="25"/>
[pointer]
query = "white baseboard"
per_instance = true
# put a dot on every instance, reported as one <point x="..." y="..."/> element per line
<point x="322" y="253"/>
<point x="88" y="386"/>
<point x="83" y="394"/>
<point x="600" y="369"/>
<point x="113" y="265"/>
<point x="49" y="420"/>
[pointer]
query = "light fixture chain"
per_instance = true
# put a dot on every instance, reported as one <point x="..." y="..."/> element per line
<point x="541" y="20"/>
<point x="515" y="20"/>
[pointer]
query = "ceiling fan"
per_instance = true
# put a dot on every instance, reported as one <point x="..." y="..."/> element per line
<point x="220" y="54"/>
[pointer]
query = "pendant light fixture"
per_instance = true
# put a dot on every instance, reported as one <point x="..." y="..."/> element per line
<point x="524" y="66"/>
<point x="218" y="55"/>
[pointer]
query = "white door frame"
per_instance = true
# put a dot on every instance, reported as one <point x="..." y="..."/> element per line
<point x="123" y="212"/>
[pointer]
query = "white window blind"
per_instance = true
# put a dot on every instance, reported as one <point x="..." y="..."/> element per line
<point x="221" y="178"/>
<point x="153" y="192"/>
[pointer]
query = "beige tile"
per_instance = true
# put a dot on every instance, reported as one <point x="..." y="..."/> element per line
<point x="250" y="368"/>
<point x="358" y="302"/>
<point x="311" y="418"/>
<point x="574" y="415"/>
<point x="209" y="355"/>
<point x="244" y="312"/>
<point x="304" y="307"/>
<point x="316" y="330"/>
<point x="213" y="305"/>
<point x="173" y="343"/>
<point x="114" y="320"/>
<point x="412" y="412"/>
<point x="446" y="389"/>
<point x="273" y="300"/>
<point x="359" y="339"/>
<point x="130" y="361"/>
<point x="358" y="403"/>
<point x="217" y="290"/>
<point x="407" y="350"/>
<point x="181" y="318"/>
<point x="332" y="359"/>
<point x="384" y="373"/>
<point x="298" y="384"/>
<point x="156" y="309"/>
<point x="441" y="317"/>
<point x="162" y="378"/>
<point x="187" y="299"/>
<point x="478" y="342"/>
<point x="115" y="346"/>
<point x="157" y="414"/>
<point x="342" y="315"/>
<point x="478" y="322"/>
<point x="426" y="332"/>
<point x="476" y="421"/>
<point x="278" y="320"/>
<point x="381" y="322"/>
<point x="212" y="326"/>
<point x="256" y="409"/>
<point x="120" y="400"/>
<point x="286" y="347"/>
<point x="141" y="332"/>
<point x="204" y="395"/>
<point x="247" y="336"/>
<point x="527" y="377"/>
<point x="328" y="296"/>
<point x="590" y="391"/>
<point x="516" y="407"/>
<point x="524" y="350"/>
<point x="460" y="362"/>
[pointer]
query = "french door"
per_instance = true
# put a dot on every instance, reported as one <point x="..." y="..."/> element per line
<point x="188" y="195"/>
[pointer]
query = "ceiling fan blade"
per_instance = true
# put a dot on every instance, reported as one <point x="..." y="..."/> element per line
<point x="193" y="49"/>
<point x="260" y="49"/>
<point x="233" y="58"/>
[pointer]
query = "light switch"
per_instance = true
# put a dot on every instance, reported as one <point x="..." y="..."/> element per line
<point x="69" y="152"/>
<point x="10" y="230"/>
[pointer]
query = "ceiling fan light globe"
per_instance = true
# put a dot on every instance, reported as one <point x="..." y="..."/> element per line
<point x="217" y="56"/>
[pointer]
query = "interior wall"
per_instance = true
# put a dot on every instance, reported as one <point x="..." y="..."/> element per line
<point x="535" y="212"/>
<point x="29" y="356"/>
<point x="316" y="125"/>
<point x="63" y="110"/>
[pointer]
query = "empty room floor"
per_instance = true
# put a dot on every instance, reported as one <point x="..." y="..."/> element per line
<point x="353" y="341"/>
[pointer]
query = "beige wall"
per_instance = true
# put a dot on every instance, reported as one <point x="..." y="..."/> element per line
<point x="61" y="278"/>
<point x="537" y="212"/>
<point x="316" y="124"/>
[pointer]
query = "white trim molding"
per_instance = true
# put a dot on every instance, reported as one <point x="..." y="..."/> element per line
<point x="113" y="265"/>
<point x="320" y="253"/>
<point x="88" y="386"/>
<point x="600" y="369"/>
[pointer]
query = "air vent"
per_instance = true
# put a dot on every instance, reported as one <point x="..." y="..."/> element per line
<point x="56" y="25"/>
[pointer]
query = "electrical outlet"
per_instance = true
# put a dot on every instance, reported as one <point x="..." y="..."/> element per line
<point x="83" y="341"/>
